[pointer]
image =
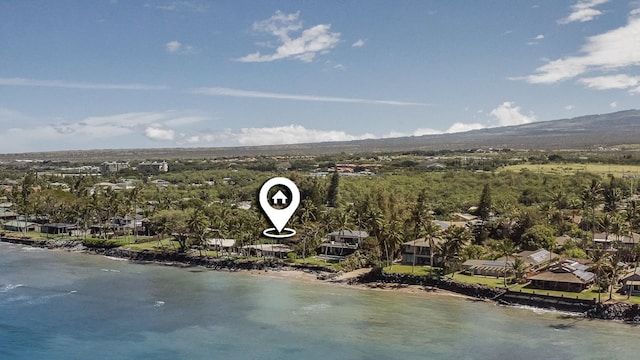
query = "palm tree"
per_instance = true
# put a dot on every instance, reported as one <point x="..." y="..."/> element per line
<point x="592" y="197"/>
<point x="600" y="266"/>
<point x="455" y="238"/>
<point x="431" y="231"/>
<point x="134" y="198"/>
<point x="615" y="269"/>
<point x="519" y="268"/>
<point x="394" y="237"/>
<point x="506" y="249"/>
<point x="198" y="224"/>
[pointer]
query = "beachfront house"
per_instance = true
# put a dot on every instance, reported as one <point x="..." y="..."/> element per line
<point x="278" y="251"/>
<point x="421" y="249"/>
<point x="20" y="226"/>
<point x="566" y="275"/>
<point x="631" y="282"/>
<point x="340" y="244"/>
<point x="221" y="245"/>
<point x="58" y="228"/>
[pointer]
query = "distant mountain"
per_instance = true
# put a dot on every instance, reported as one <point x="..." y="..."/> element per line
<point x="583" y="132"/>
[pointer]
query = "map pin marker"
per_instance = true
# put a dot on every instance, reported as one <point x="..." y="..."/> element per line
<point x="279" y="217"/>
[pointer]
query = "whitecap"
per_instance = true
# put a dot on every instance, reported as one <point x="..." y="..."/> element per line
<point x="31" y="249"/>
<point x="116" y="258"/>
<point x="158" y="303"/>
<point x="7" y="288"/>
<point x="305" y="310"/>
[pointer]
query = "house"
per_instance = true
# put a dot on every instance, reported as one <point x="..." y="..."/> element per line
<point x="279" y="251"/>
<point x="533" y="259"/>
<point x="20" y="226"/>
<point x="608" y="241"/>
<point x="421" y="249"/>
<point x="340" y="244"/>
<point x="58" y="228"/>
<point x="7" y="214"/>
<point x="567" y="275"/>
<point x="221" y="244"/>
<point x="631" y="282"/>
<point x="494" y="268"/>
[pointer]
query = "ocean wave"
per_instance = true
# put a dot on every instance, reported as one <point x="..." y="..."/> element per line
<point x="7" y="288"/>
<point x="31" y="249"/>
<point x="116" y="258"/>
<point x="110" y="270"/>
<point x="538" y="310"/>
<point x="305" y="310"/>
<point x="158" y="303"/>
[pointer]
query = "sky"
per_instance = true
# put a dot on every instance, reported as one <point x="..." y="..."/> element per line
<point x="108" y="74"/>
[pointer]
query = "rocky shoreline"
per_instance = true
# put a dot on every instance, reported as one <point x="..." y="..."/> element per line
<point x="376" y="277"/>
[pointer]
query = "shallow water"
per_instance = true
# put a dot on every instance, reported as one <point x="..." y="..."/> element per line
<point x="59" y="305"/>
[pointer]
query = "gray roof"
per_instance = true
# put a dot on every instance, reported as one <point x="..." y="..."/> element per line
<point x="350" y="234"/>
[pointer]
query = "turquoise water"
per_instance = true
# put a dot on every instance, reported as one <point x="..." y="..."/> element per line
<point x="59" y="305"/>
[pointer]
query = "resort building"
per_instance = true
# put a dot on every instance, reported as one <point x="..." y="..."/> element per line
<point x="155" y="166"/>
<point x="113" y="167"/>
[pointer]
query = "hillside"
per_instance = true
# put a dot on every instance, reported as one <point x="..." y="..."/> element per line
<point x="583" y="132"/>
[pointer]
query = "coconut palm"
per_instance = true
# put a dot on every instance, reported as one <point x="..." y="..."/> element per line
<point x="506" y="249"/>
<point x="600" y="265"/>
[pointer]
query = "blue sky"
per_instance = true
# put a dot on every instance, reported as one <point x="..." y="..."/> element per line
<point x="139" y="74"/>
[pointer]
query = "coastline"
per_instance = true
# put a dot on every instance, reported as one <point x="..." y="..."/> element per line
<point x="362" y="279"/>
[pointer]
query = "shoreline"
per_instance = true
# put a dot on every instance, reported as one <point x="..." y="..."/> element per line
<point x="362" y="279"/>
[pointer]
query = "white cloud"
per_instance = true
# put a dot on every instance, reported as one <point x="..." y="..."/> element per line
<point x="613" y="50"/>
<point x="76" y="85"/>
<point x="158" y="133"/>
<point x="312" y="41"/>
<point x="218" y="91"/>
<point x="462" y="127"/>
<point x="358" y="43"/>
<point x="426" y="131"/>
<point x="613" y="105"/>
<point x="508" y="114"/>
<point x="583" y="11"/>
<point x="620" y="81"/>
<point x="278" y="135"/>
<point x="176" y="47"/>
<point x="179" y="6"/>
<point x="539" y="37"/>
<point x="569" y="107"/>
<point x="173" y="46"/>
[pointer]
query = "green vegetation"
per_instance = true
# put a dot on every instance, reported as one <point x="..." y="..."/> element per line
<point x="524" y="200"/>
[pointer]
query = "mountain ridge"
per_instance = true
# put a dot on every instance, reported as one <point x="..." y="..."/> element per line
<point x="583" y="132"/>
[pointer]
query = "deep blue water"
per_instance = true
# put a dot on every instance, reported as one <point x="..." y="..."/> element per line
<point x="59" y="305"/>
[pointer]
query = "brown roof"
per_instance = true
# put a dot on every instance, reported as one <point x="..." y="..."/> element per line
<point x="557" y="277"/>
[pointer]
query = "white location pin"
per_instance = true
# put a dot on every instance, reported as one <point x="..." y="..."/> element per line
<point x="279" y="217"/>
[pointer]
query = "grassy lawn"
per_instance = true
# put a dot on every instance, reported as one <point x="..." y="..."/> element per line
<point x="572" y="168"/>
<point x="153" y="245"/>
<point x="481" y="280"/>
<point x="588" y="294"/>
<point x="406" y="269"/>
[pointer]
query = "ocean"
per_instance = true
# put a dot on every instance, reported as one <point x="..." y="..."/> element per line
<point x="61" y="305"/>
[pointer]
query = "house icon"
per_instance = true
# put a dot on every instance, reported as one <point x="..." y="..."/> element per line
<point x="279" y="197"/>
